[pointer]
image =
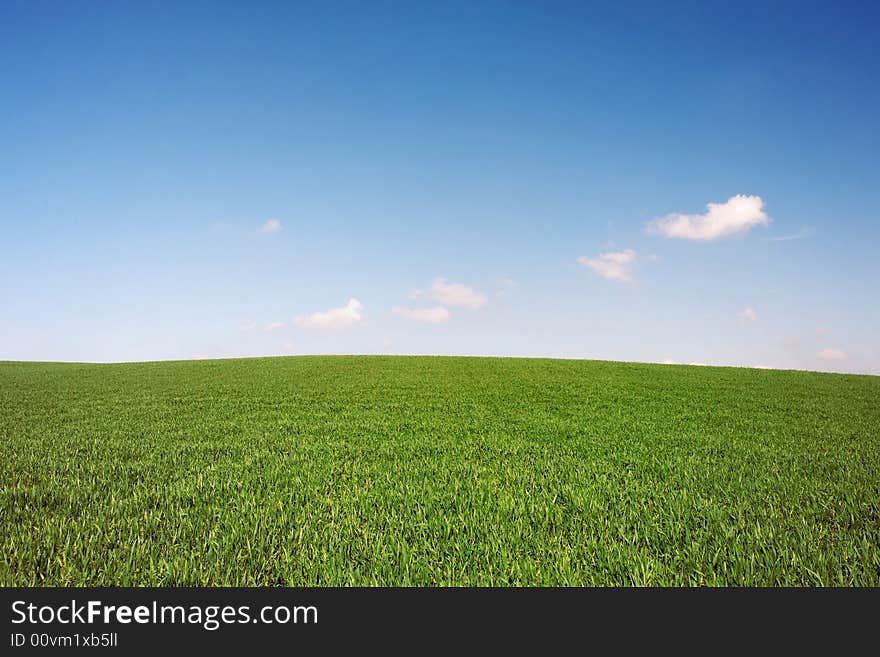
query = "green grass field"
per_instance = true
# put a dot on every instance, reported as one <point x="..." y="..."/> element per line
<point x="436" y="471"/>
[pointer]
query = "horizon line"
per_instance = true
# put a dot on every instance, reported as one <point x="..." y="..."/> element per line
<point x="428" y="355"/>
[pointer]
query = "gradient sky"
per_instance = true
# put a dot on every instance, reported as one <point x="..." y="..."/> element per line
<point x="176" y="179"/>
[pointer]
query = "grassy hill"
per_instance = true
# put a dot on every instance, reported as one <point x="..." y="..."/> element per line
<point x="432" y="470"/>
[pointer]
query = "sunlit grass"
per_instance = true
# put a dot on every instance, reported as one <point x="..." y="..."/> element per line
<point x="436" y="471"/>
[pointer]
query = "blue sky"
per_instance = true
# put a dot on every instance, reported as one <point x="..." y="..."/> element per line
<point x="503" y="178"/>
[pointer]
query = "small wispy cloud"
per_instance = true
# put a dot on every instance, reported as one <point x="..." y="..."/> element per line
<point x="348" y="315"/>
<point x="288" y="347"/>
<point x="803" y="233"/>
<point x="274" y="326"/>
<point x="436" y="315"/>
<point x="748" y="316"/>
<point x="456" y="294"/>
<point x="504" y="286"/>
<point x="271" y="227"/>
<point x="736" y="216"/>
<point x="832" y="353"/>
<point x="613" y="265"/>
<point x="248" y="326"/>
<point x="387" y="343"/>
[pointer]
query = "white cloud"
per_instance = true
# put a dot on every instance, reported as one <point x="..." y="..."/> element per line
<point x="349" y="315"/>
<point x="747" y="316"/>
<point x="736" y="216"/>
<point x="456" y="294"/>
<point x="414" y="294"/>
<point x="436" y="315"/>
<point x="271" y="227"/>
<point x="613" y="265"/>
<point x="287" y="347"/>
<point x="248" y="326"/>
<point x="274" y="326"/>
<point x="387" y="344"/>
<point x="801" y="234"/>
<point x="832" y="354"/>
